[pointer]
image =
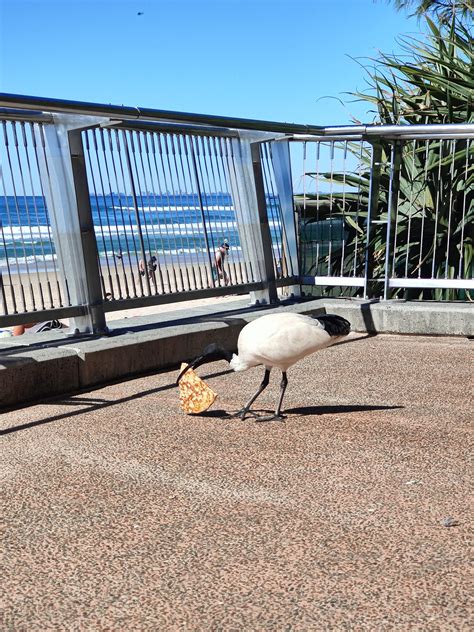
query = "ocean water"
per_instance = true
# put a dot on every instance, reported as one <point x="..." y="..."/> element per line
<point x="170" y="224"/>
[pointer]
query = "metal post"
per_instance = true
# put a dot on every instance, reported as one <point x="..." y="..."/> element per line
<point x="269" y="280"/>
<point x="372" y="214"/>
<point x="55" y="169"/>
<point x="88" y="240"/>
<point x="395" y="164"/>
<point x="282" y="174"/>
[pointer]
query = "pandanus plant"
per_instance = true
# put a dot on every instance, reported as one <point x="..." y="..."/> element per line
<point x="432" y="229"/>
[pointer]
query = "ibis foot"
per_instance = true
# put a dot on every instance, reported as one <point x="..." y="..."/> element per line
<point x="242" y="414"/>
<point x="270" y="418"/>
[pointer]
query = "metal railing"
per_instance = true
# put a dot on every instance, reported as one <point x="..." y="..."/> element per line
<point x="100" y="214"/>
<point x="389" y="214"/>
<point x="105" y="208"/>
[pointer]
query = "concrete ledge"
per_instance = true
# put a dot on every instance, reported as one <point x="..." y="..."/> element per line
<point x="31" y="375"/>
<point x="405" y="317"/>
<point x="36" y="366"/>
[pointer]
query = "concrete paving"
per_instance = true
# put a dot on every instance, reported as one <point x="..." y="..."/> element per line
<point x="122" y="513"/>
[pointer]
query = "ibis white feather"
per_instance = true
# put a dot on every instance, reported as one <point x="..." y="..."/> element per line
<point x="276" y="341"/>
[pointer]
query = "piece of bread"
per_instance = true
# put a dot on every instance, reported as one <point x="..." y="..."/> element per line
<point x="195" y="396"/>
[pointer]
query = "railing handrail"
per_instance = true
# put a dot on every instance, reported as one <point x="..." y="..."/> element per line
<point x="129" y="112"/>
<point x="298" y="131"/>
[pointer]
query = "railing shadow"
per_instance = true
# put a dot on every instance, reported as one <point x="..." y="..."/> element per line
<point x="96" y="404"/>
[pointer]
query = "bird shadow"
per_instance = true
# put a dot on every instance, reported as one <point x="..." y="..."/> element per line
<point x="332" y="410"/>
<point x="213" y="414"/>
<point x="300" y="410"/>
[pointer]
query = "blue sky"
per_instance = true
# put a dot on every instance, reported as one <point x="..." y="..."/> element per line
<point x="268" y="59"/>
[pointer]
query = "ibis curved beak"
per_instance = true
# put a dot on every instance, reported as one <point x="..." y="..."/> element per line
<point x="211" y="353"/>
<point x="192" y="365"/>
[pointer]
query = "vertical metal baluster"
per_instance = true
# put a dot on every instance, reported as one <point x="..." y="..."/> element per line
<point x="162" y="147"/>
<point x="156" y="187"/>
<point x="207" y="181"/>
<point x="201" y="206"/>
<point x="165" y="157"/>
<point x="450" y="212"/>
<point x="464" y="206"/>
<point x="187" y="200"/>
<point x="224" y="229"/>
<point x="358" y="205"/>
<point x="134" y="266"/>
<point x="302" y="222"/>
<point x="395" y="226"/>
<point x="103" y="151"/>
<point x="423" y="212"/>
<point x="331" y="203"/>
<point x="18" y="272"/>
<point x="183" y="149"/>
<point x="27" y="213"/>
<point x="30" y="178"/>
<point x="178" y="162"/>
<point x="225" y="162"/>
<point x="91" y="178"/>
<point x="179" y="231"/>
<point x="373" y="212"/>
<point x="203" y="201"/>
<point x="137" y="188"/>
<point x="343" y="252"/>
<point x="37" y="214"/>
<point x="268" y="207"/>
<point x="105" y="231"/>
<point x="439" y="190"/>
<point x="147" y="215"/>
<point x="143" y="146"/>
<point x="413" y="169"/>
<point x="395" y="162"/>
<point x="121" y="264"/>
<point x="271" y="201"/>
<point x="9" y="271"/>
<point x="195" y="201"/>
<point x="235" y="146"/>
<point x="220" y="203"/>
<point x="317" y="189"/>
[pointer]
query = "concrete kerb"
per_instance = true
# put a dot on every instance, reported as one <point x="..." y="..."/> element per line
<point x="37" y="366"/>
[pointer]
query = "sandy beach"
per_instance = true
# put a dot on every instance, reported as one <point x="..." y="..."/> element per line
<point x="44" y="290"/>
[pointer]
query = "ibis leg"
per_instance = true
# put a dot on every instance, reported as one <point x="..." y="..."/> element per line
<point x="277" y="416"/>
<point x="246" y="409"/>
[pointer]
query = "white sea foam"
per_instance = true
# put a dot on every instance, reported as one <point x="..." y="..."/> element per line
<point x="167" y="209"/>
<point x="27" y="234"/>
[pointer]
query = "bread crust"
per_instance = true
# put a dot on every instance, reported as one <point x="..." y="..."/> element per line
<point x="195" y="396"/>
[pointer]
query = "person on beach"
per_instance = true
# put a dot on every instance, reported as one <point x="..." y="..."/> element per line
<point x="219" y="259"/>
<point x="151" y="267"/>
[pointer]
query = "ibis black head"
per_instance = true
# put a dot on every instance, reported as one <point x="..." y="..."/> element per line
<point x="210" y="354"/>
<point x="335" y="325"/>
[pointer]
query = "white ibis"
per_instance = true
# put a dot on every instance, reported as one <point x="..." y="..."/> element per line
<point x="275" y="341"/>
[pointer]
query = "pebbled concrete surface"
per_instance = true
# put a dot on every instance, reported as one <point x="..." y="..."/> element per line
<point x="122" y="513"/>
